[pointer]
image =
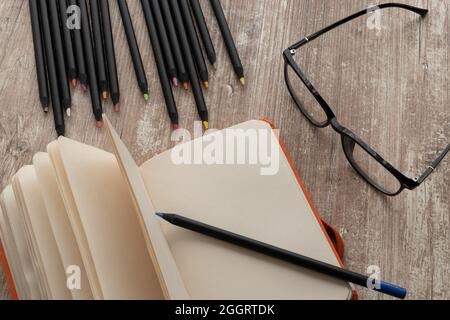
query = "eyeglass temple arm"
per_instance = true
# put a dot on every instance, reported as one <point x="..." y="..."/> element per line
<point x="419" y="11"/>
<point x="433" y="166"/>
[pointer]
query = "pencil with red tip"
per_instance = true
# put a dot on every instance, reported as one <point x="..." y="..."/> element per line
<point x="183" y="77"/>
<point x="164" y="42"/>
<point x="159" y="59"/>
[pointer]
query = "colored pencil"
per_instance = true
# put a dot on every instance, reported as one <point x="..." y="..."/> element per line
<point x="108" y="38"/>
<point x="41" y="69"/>
<point x="164" y="42"/>
<point x="97" y="37"/>
<point x="282" y="254"/>
<point x="202" y="28"/>
<point x="68" y="47"/>
<point x="194" y="42"/>
<point x="51" y="68"/>
<point x="79" y="54"/>
<point x="90" y="64"/>
<point x="134" y="48"/>
<point x="228" y="38"/>
<point x="64" y="88"/>
<point x="190" y="64"/>
<point x="183" y="77"/>
<point x="158" y="53"/>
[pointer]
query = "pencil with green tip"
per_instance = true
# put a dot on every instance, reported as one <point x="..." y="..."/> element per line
<point x="284" y="255"/>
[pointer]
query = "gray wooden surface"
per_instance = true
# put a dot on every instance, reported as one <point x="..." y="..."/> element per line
<point x="390" y="86"/>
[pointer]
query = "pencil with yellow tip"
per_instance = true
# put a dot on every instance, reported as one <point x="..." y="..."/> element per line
<point x="228" y="39"/>
<point x="190" y="64"/>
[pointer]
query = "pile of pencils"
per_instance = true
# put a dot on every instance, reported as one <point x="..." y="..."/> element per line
<point x="74" y="44"/>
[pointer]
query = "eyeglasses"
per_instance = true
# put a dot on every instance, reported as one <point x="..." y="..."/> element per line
<point x="379" y="173"/>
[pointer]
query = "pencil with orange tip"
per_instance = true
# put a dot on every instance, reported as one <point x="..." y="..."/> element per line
<point x="68" y="47"/>
<point x="98" y="48"/>
<point x="194" y="42"/>
<point x="77" y="45"/>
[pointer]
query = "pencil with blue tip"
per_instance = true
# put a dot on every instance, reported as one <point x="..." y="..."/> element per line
<point x="282" y="254"/>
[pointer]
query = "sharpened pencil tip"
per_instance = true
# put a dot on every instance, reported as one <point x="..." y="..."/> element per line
<point x="159" y="214"/>
<point x="146" y="97"/>
<point x="74" y="83"/>
<point x="242" y="81"/>
<point x="206" y="84"/>
<point x="175" y="82"/>
<point x="100" y="124"/>
<point x="84" y="88"/>
<point x="68" y="112"/>
<point x="117" y="107"/>
<point x="105" y="95"/>
<point x="186" y="86"/>
<point x="206" y="125"/>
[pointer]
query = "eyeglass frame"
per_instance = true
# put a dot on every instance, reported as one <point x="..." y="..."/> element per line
<point x="288" y="54"/>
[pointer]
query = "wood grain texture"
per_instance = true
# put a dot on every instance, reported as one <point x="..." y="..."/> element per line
<point x="391" y="86"/>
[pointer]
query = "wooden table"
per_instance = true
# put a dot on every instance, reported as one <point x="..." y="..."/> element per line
<point x="389" y="84"/>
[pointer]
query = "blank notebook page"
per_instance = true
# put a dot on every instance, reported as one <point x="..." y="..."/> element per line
<point x="272" y="209"/>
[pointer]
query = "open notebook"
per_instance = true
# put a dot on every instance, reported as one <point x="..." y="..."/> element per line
<point x="79" y="224"/>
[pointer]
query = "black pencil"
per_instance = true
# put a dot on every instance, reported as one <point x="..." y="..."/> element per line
<point x="190" y="65"/>
<point x="68" y="47"/>
<point x="90" y="64"/>
<point x="159" y="58"/>
<point x="164" y="42"/>
<point x="134" y="48"/>
<point x="79" y="52"/>
<point x="176" y="51"/>
<point x="51" y="68"/>
<point x="97" y="37"/>
<point x="282" y="254"/>
<point x="228" y="38"/>
<point x="194" y="42"/>
<point x="204" y="31"/>
<point x="110" y="54"/>
<point x="41" y="70"/>
<point x="64" y="88"/>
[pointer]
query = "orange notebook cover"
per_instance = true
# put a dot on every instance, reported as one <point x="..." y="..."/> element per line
<point x="7" y="272"/>
<point x="329" y="232"/>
